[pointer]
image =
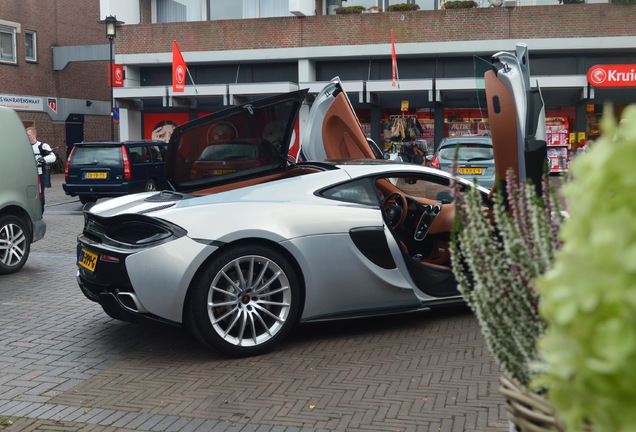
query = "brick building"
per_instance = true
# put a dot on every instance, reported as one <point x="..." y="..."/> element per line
<point x="254" y="51"/>
<point x="54" y="68"/>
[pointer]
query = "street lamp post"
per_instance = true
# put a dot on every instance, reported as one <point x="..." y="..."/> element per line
<point x="111" y="32"/>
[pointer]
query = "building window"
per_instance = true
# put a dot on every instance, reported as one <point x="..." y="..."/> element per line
<point x="7" y="44"/>
<point x="239" y="9"/>
<point x="384" y="4"/>
<point x="30" y="46"/>
<point x="179" y="10"/>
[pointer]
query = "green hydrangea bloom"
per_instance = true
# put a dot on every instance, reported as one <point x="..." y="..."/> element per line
<point x="588" y="298"/>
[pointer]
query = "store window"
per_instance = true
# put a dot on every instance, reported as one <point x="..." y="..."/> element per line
<point x="239" y="9"/>
<point x="30" y="46"/>
<point x="7" y="44"/>
<point x="179" y="10"/>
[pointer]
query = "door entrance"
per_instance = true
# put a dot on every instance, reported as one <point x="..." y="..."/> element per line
<point x="74" y="131"/>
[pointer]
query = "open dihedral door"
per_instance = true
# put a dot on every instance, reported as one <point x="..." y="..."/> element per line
<point x="517" y="117"/>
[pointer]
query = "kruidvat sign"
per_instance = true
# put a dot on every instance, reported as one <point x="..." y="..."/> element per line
<point x="22" y="103"/>
<point x="612" y="75"/>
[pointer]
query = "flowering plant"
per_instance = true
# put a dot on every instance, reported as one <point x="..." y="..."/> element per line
<point x="496" y="253"/>
<point x="589" y="297"/>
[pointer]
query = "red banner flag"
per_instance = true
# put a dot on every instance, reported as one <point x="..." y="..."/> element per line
<point x="394" y="76"/>
<point x="178" y="69"/>
<point x="116" y="76"/>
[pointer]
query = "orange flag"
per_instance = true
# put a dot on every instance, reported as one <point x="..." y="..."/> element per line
<point x="178" y="69"/>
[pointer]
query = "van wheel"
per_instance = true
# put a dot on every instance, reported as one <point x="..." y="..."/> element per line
<point x="84" y="199"/>
<point x="15" y="244"/>
<point x="151" y="185"/>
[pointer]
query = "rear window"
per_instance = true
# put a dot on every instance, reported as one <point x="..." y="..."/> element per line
<point x="467" y="151"/>
<point x="247" y="140"/>
<point x="85" y="155"/>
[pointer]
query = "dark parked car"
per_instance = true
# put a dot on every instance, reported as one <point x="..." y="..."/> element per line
<point x="474" y="155"/>
<point x="229" y="156"/>
<point x="108" y="169"/>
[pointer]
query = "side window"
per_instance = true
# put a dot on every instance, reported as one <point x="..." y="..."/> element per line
<point x="158" y="153"/>
<point x="139" y="154"/>
<point x="417" y="187"/>
<point x="359" y="191"/>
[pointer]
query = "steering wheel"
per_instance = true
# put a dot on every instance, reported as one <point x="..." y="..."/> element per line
<point x="395" y="206"/>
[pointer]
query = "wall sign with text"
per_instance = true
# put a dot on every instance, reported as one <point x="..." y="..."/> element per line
<point x="612" y="75"/>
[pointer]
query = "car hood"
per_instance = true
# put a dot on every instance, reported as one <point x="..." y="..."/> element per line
<point x="253" y="139"/>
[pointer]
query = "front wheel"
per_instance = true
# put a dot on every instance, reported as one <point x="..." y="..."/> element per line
<point x="245" y="302"/>
<point x="15" y="244"/>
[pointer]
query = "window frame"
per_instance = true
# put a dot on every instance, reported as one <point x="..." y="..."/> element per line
<point x="34" y="46"/>
<point x="13" y="29"/>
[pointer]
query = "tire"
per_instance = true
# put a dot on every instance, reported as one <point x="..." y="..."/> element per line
<point x="85" y="199"/>
<point x="15" y="244"/>
<point x="151" y="185"/>
<point x="247" y="312"/>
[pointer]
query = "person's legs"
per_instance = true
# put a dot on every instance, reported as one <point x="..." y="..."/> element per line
<point x="42" y="188"/>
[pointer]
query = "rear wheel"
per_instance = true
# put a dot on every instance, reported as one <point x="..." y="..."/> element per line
<point x="246" y="301"/>
<point x="15" y="244"/>
<point x="84" y="199"/>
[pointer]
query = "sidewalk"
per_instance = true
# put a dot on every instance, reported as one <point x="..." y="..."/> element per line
<point x="55" y="194"/>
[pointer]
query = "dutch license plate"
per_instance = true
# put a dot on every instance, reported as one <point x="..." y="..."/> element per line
<point x="87" y="259"/>
<point x="221" y="171"/>
<point x="470" y="170"/>
<point x="95" y="175"/>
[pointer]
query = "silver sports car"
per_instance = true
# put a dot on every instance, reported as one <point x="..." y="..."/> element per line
<point x="249" y="243"/>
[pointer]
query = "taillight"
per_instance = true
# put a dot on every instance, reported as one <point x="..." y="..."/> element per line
<point x="435" y="161"/>
<point x="68" y="164"/>
<point x="127" y="173"/>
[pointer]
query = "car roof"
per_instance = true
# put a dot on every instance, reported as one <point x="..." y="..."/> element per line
<point x="466" y="138"/>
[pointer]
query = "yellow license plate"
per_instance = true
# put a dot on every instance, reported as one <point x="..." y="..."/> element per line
<point x="221" y="172"/>
<point x="96" y="175"/>
<point x="87" y="260"/>
<point x="470" y="170"/>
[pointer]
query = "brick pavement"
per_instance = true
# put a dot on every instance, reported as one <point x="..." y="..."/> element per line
<point x="66" y="366"/>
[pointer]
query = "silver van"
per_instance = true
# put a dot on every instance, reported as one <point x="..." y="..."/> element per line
<point x="21" y="220"/>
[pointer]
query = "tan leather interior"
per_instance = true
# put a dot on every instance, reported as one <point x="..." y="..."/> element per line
<point x="503" y="125"/>
<point x="342" y="137"/>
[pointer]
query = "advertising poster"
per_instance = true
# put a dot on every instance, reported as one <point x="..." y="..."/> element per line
<point x="558" y="157"/>
<point x="159" y="126"/>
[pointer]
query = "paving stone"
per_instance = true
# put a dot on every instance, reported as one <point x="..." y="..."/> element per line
<point x="61" y="355"/>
